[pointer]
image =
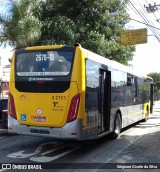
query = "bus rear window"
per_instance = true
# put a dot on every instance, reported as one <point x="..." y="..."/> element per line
<point x="44" y="63"/>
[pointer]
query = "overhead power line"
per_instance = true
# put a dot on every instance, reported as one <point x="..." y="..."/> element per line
<point x="144" y="13"/>
<point x="147" y="22"/>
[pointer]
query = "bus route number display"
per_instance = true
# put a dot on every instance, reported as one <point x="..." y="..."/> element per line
<point x="44" y="57"/>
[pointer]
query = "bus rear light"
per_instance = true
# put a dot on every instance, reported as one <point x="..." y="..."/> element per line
<point x="73" y="110"/>
<point x="12" y="109"/>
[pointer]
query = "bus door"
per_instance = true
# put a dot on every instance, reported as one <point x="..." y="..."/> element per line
<point x="104" y="101"/>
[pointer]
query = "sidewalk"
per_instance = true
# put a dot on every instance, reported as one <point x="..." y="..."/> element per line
<point x="145" y="150"/>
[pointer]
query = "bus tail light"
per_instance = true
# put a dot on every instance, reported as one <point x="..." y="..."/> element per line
<point x="12" y="109"/>
<point x="73" y="110"/>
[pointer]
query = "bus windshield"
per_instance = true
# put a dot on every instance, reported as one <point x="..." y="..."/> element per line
<point x="44" y="63"/>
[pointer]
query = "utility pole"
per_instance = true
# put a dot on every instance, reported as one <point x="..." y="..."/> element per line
<point x="151" y="8"/>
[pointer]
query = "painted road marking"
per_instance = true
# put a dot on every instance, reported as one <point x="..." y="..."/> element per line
<point x="22" y="154"/>
<point x="51" y="158"/>
<point x="39" y="156"/>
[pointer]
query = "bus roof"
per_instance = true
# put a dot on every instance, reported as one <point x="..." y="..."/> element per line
<point x="112" y="63"/>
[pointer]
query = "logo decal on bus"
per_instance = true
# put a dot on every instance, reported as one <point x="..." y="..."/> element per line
<point x="23" y="117"/>
<point x="55" y="104"/>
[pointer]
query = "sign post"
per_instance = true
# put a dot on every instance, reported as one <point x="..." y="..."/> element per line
<point x="132" y="37"/>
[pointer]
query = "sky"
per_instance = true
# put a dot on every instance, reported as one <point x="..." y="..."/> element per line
<point x="5" y="52"/>
<point x="147" y="56"/>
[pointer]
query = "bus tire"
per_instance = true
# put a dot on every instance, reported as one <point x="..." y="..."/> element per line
<point x="146" y="115"/>
<point x="117" y="126"/>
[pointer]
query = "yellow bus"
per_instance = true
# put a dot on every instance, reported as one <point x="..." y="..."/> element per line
<point x="68" y="92"/>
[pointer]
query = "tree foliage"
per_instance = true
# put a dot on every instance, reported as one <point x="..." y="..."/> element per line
<point x="44" y="22"/>
<point x="156" y="79"/>
<point x="20" y="25"/>
<point x="89" y="24"/>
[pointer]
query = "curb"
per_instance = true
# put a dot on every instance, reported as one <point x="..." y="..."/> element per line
<point x="3" y="132"/>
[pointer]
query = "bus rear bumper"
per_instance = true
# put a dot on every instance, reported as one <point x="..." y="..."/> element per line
<point x="72" y="130"/>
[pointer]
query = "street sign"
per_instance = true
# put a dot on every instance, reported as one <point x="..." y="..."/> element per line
<point x="132" y="37"/>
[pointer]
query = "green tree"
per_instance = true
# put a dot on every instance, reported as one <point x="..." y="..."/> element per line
<point x="44" y="22"/>
<point x="156" y="79"/>
<point x="20" y="27"/>
<point x="87" y="22"/>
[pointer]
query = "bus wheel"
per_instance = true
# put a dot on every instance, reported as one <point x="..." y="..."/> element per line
<point x="117" y="126"/>
<point x="146" y="115"/>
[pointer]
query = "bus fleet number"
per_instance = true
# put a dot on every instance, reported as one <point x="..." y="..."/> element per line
<point x="59" y="97"/>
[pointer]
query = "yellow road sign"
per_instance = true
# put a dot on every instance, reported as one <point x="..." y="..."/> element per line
<point x="132" y="37"/>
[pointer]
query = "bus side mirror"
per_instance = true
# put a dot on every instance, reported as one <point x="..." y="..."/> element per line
<point x="10" y="60"/>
